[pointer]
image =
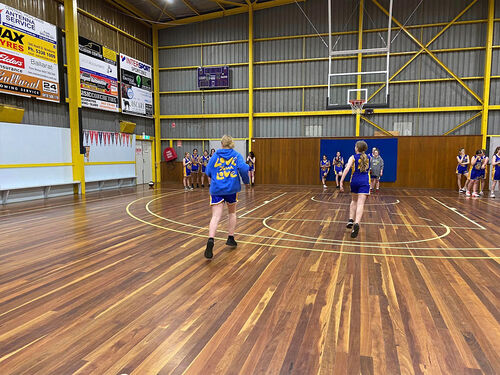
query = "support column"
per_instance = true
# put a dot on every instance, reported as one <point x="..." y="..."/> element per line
<point x="360" y="61"/>
<point x="156" y="93"/>
<point x="74" y="94"/>
<point x="250" y="76"/>
<point x="487" y="71"/>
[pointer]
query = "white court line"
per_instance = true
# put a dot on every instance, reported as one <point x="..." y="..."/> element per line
<point x="347" y="204"/>
<point x="458" y="213"/>
<point x="263" y="204"/>
<point x="364" y="223"/>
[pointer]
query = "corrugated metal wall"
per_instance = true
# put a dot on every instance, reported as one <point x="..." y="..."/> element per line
<point x="53" y="114"/>
<point x="466" y="60"/>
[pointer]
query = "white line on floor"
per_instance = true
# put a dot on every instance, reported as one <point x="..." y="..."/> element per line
<point x="263" y="204"/>
<point x="458" y="213"/>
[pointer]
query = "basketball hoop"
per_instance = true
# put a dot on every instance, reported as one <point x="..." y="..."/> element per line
<point x="357" y="105"/>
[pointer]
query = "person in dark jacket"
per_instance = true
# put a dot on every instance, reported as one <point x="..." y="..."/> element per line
<point x="224" y="169"/>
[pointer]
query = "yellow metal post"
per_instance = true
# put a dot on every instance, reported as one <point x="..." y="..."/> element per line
<point x="75" y="99"/>
<point x="360" y="61"/>
<point x="487" y="71"/>
<point x="156" y="91"/>
<point x="250" y="76"/>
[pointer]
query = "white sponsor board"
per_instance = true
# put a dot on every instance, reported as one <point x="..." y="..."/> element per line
<point x="28" y="56"/>
<point x="98" y="76"/>
<point x="136" y="87"/>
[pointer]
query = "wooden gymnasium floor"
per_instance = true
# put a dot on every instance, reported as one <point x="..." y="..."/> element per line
<point x="117" y="284"/>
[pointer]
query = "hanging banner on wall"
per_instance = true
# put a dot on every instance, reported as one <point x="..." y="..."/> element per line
<point x="136" y="88"/>
<point x="28" y="56"/>
<point x="98" y="76"/>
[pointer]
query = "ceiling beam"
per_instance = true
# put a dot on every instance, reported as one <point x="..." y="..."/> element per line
<point x="228" y="2"/>
<point x="228" y="12"/>
<point x="190" y="6"/>
<point x="131" y="10"/>
<point x="162" y="10"/>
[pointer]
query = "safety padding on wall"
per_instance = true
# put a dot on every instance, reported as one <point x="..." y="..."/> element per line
<point x="169" y="154"/>
<point x="127" y="127"/>
<point x="11" y="114"/>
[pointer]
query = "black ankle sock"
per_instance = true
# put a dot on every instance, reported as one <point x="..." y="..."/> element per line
<point x="211" y="239"/>
<point x="230" y="237"/>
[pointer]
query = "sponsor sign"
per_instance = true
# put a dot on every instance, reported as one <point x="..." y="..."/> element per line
<point x="28" y="56"/>
<point x="136" y="87"/>
<point x="98" y="76"/>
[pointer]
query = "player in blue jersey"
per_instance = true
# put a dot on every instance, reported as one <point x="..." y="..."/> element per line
<point x="225" y="168"/>
<point x="204" y="162"/>
<point x="463" y="162"/>
<point x="360" y="185"/>
<point x="338" y="167"/>
<point x="324" y="169"/>
<point x="484" y="172"/>
<point x="495" y="171"/>
<point x="251" y="167"/>
<point x="186" y="171"/>
<point x="195" y="167"/>
<point x="475" y="174"/>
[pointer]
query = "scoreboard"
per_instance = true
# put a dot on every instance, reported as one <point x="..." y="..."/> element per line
<point x="213" y="77"/>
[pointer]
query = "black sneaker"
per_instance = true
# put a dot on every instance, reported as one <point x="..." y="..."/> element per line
<point x="231" y="242"/>
<point x="253" y="183"/>
<point x="338" y="187"/>
<point x="210" y="246"/>
<point x="197" y="185"/>
<point x="202" y="185"/>
<point x="192" y="186"/>
<point x="350" y="223"/>
<point x="355" y="231"/>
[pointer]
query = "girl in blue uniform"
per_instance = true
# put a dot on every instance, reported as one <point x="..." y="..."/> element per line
<point x="495" y="171"/>
<point x="360" y="185"/>
<point x="324" y="170"/>
<point x="338" y="167"/>
<point x="225" y="168"/>
<point x="186" y="168"/>
<point x="195" y="167"/>
<point x="251" y="167"/>
<point x="204" y="162"/>
<point x="475" y="173"/>
<point x="463" y="162"/>
<point x="484" y="172"/>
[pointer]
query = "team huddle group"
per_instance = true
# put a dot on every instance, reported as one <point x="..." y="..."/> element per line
<point x="475" y="171"/>
<point x="195" y="168"/>
<point x="376" y="169"/>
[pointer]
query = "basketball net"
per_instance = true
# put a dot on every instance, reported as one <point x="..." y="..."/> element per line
<point x="357" y="106"/>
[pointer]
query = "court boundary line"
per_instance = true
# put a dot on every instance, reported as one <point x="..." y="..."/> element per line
<point x="364" y="223"/>
<point x="458" y="213"/>
<point x="313" y="198"/>
<point x="262" y="205"/>
<point x="321" y="250"/>
<point x="361" y="243"/>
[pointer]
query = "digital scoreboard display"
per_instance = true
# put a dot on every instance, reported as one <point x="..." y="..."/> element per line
<point x="213" y="78"/>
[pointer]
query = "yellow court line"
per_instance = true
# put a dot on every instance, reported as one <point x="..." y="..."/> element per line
<point x="364" y="223"/>
<point x="347" y="204"/>
<point x="361" y="243"/>
<point x="317" y="241"/>
<point x="318" y="250"/>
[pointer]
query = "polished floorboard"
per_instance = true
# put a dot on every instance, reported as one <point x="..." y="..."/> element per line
<point x="117" y="284"/>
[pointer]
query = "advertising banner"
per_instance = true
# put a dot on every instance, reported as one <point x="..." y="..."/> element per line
<point x="28" y="56"/>
<point x="98" y="76"/>
<point x="136" y="87"/>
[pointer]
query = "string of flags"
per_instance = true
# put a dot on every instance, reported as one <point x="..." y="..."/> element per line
<point x="99" y="138"/>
